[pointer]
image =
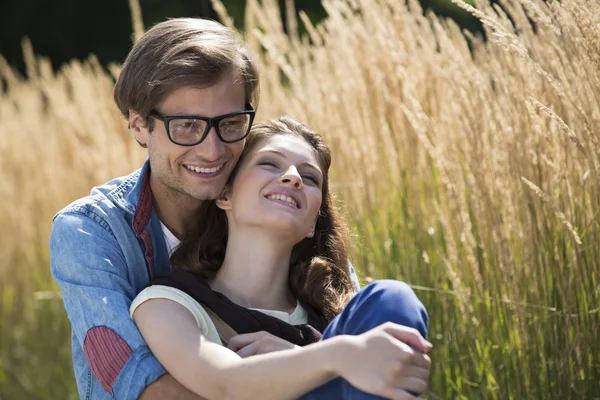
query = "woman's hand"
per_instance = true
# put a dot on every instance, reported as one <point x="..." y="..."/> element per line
<point x="388" y="361"/>
<point x="251" y="344"/>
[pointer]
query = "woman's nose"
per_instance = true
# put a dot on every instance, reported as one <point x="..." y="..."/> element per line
<point x="291" y="177"/>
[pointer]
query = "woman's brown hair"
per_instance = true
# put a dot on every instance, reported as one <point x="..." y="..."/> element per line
<point x="318" y="266"/>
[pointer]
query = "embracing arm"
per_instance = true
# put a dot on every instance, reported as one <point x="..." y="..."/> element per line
<point x="216" y="372"/>
<point x="89" y="266"/>
<point x="166" y="387"/>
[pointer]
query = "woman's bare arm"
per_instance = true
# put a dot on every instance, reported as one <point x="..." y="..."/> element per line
<point x="216" y="372"/>
<point x="381" y="361"/>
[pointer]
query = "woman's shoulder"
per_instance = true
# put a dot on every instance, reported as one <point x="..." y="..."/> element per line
<point x="179" y="296"/>
<point x="163" y="292"/>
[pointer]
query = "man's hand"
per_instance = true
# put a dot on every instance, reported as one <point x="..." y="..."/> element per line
<point x="166" y="387"/>
<point x="251" y="344"/>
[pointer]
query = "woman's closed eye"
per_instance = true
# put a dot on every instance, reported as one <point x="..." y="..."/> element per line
<point x="311" y="178"/>
<point x="305" y="177"/>
<point x="268" y="163"/>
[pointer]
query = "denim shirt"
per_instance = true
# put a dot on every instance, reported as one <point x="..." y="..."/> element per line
<point x="104" y="249"/>
<point x="101" y="264"/>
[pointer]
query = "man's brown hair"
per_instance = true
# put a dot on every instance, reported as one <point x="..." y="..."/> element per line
<point x="178" y="53"/>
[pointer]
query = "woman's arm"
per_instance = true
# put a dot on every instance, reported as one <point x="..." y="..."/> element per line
<point x="216" y="372"/>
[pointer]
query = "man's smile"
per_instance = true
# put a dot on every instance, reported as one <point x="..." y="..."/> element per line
<point x="204" y="170"/>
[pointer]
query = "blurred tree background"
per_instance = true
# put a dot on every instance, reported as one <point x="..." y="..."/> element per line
<point x="67" y="29"/>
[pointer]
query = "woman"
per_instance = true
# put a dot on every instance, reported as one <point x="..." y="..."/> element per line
<point x="269" y="258"/>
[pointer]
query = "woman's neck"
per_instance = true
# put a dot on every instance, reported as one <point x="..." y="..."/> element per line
<point x="255" y="271"/>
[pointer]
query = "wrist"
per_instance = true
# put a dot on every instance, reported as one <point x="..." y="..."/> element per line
<point x="340" y="348"/>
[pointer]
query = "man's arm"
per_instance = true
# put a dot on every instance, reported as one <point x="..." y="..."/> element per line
<point x="166" y="387"/>
<point x="89" y="266"/>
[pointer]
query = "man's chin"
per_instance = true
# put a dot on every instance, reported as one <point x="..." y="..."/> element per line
<point x="202" y="191"/>
<point x="204" y="195"/>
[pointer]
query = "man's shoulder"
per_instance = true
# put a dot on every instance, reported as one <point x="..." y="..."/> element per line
<point x="105" y="200"/>
<point x="89" y="206"/>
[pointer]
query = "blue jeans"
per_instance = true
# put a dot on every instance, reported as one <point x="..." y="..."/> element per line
<point x="376" y="303"/>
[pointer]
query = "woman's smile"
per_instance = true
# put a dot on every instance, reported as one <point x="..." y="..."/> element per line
<point x="284" y="197"/>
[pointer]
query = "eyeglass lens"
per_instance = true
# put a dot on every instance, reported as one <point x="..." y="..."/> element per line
<point x="187" y="130"/>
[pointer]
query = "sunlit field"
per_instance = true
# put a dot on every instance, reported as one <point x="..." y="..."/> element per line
<point x="469" y="167"/>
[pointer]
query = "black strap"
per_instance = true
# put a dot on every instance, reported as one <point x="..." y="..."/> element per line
<point x="241" y="319"/>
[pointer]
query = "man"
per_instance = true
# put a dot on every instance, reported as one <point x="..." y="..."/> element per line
<point x="106" y="247"/>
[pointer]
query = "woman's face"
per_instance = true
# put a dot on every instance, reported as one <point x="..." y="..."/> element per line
<point x="278" y="187"/>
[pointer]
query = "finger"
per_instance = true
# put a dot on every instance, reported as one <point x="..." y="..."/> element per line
<point x="410" y="336"/>
<point x="413" y="385"/>
<point x="421" y="360"/>
<point x="414" y="372"/>
<point x="394" y="393"/>
<point x="238" y="341"/>
<point x="248" y="351"/>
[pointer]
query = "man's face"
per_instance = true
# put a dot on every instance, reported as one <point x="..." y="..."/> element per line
<point x="195" y="173"/>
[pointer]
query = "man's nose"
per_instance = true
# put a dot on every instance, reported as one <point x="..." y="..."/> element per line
<point x="291" y="177"/>
<point x="211" y="148"/>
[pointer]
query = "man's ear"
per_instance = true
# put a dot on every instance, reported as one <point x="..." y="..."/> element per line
<point x="224" y="201"/>
<point x="139" y="129"/>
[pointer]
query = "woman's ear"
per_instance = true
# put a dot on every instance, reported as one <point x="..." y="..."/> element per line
<point x="311" y="232"/>
<point x="224" y="201"/>
<point x="138" y="127"/>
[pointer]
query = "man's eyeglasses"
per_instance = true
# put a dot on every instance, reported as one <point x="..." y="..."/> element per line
<point x="189" y="130"/>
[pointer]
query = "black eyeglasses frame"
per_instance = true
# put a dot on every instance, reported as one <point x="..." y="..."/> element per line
<point x="210" y="123"/>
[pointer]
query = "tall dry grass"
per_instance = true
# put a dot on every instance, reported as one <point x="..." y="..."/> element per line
<point x="469" y="168"/>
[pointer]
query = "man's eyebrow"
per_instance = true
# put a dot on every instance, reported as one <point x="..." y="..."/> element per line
<point x="281" y="154"/>
<point x="181" y="114"/>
